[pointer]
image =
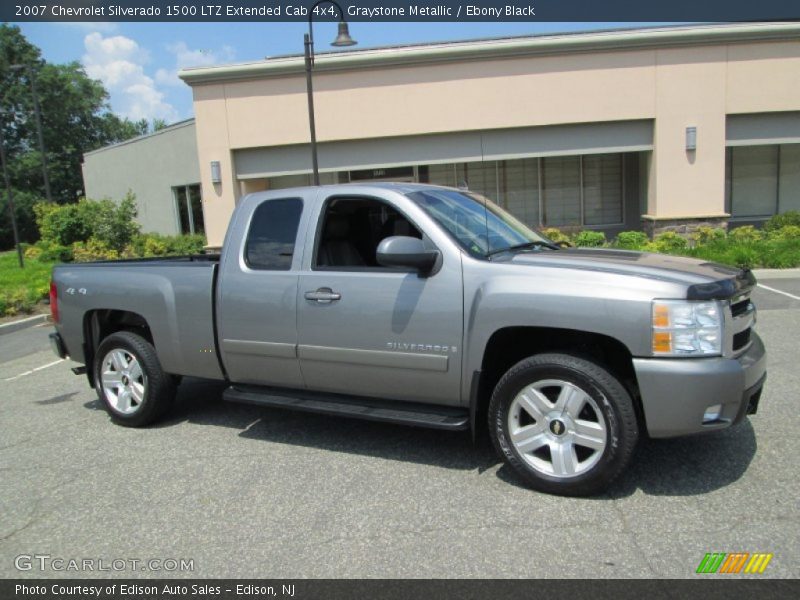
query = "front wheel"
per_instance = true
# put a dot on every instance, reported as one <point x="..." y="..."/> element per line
<point x="130" y="381"/>
<point x="565" y="424"/>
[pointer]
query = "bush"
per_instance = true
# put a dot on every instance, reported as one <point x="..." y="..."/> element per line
<point x="555" y="235"/>
<point x="93" y="249"/>
<point x="708" y="235"/>
<point x="787" y="232"/>
<point x="114" y="224"/>
<point x="63" y="225"/>
<point x="154" y="244"/>
<point x="15" y="302"/>
<point x="106" y="221"/>
<point x="45" y="251"/>
<point x="668" y="242"/>
<point x="746" y="235"/>
<point x="791" y="217"/>
<point x="590" y="239"/>
<point x="631" y="240"/>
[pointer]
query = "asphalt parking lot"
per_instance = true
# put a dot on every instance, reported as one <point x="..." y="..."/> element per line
<point x="246" y="491"/>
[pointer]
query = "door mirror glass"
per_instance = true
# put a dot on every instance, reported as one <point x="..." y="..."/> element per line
<point x="408" y="252"/>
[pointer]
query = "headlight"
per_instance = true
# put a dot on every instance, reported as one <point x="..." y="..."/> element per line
<point x="683" y="328"/>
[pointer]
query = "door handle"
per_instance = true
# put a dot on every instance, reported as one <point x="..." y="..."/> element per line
<point x="324" y="295"/>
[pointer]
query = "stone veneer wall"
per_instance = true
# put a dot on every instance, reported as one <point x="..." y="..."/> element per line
<point x="682" y="226"/>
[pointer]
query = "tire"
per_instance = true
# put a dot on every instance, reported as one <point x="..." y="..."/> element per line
<point x="564" y="424"/>
<point x="130" y="381"/>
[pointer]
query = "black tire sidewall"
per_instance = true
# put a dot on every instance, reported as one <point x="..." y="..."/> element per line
<point x="159" y="387"/>
<point x="616" y="409"/>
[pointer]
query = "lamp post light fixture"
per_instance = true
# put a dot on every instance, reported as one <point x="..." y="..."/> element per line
<point x="11" y="209"/>
<point x="342" y="39"/>
<point x="38" y="114"/>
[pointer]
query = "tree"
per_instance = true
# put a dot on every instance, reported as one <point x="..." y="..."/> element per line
<point x="76" y="118"/>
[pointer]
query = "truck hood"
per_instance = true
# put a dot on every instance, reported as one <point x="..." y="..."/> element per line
<point x="704" y="280"/>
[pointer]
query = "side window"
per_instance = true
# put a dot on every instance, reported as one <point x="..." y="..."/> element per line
<point x="272" y="235"/>
<point x="351" y="230"/>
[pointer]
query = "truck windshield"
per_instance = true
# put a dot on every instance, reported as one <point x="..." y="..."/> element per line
<point x="478" y="225"/>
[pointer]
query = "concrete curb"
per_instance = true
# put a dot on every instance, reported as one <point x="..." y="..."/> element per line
<point x="22" y="324"/>
<point x="776" y="273"/>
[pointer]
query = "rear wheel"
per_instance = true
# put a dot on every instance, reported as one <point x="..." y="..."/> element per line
<point x="564" y="424"/>
<point x="130" y="380"/>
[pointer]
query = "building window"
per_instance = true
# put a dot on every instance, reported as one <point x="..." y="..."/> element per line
<point x="272" y="234"/>
<point x="561" y="191"/>
<point x="557" y="191"/>
<point x="763" y="180"/>
<point x="189" y="206"/>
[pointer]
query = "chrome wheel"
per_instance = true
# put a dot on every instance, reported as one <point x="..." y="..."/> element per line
<point x="557" y="428"/>
<point x="123" y="381"/>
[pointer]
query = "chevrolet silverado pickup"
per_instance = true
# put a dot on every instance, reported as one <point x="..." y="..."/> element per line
<point x="426" y="306"/>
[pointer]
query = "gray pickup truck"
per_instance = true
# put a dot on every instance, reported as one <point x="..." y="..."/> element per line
<point x="427" y="306"/>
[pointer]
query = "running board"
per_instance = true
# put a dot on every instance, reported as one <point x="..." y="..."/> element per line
<point x="404" y="413"/>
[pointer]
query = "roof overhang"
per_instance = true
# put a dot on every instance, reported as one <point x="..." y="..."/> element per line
<point x="609" y="40"/>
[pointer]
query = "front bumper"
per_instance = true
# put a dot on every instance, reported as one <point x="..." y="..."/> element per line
<point x="676" y="392"/>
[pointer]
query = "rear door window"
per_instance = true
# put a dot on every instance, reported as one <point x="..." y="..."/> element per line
<point x="273" y="234"/>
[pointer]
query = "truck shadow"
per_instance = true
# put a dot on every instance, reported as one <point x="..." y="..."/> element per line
<point x="679" y="467"/>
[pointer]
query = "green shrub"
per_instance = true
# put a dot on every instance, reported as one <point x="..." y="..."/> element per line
<point x="707" y="235"/>
<point x="791" y="217"/>
<point x="590" y="239"/>
<point x="154" y="244"/>
<point x="668" y="242"/>
<point x="63" y="225"/>
<point x="15" y="302"/>
<point x="631" y="240"/>
<point x="46" y="251"/>
<point x="114" y="224"/>
<point x="746" y="235"/>
<point x="555" y="235"/>
<point x="107" y="221"/>
<point x="787" y="232"/>
<point x="93" y="249"/>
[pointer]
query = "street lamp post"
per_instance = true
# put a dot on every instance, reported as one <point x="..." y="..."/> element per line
<point x="38" y="114"/>
<point x="342" y="39"/>
<point x="11" y="209"/>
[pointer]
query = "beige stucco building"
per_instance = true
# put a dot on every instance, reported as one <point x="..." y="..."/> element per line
<point x="654" y="128"/>
<point x="162" y="172"/>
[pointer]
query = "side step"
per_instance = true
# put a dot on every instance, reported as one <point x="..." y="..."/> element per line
<point x="371" y="409"/>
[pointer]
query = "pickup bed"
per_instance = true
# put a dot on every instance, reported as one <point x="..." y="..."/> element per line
<point x="426" y="306"/>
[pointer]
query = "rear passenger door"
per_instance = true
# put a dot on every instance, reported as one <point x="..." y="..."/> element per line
<point x="257" y="295"/>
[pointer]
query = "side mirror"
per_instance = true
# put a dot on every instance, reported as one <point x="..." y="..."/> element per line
<point x="402" y="251"/>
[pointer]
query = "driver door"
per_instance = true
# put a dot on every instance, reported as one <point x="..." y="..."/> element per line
<point x="372" y="331"/>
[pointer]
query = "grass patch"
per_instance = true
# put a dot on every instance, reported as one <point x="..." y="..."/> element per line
<point x="22" y="289"/>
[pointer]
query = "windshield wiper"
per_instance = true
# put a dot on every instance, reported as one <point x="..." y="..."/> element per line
<point x="525" y="246"/>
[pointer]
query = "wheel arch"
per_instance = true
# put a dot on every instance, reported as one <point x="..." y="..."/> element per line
<point x="509" y="345"/>
<point x="98" y="324"/>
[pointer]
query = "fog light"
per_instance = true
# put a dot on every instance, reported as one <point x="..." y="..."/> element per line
<point x="712" y="413"/>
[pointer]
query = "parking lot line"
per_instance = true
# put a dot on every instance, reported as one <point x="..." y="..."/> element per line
<point x="55" y="362"/>
<point x="771" y="289"/>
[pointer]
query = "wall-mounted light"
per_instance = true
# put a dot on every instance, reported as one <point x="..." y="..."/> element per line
<point x="691" y="138"/>
<point x="216" y="172"/>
